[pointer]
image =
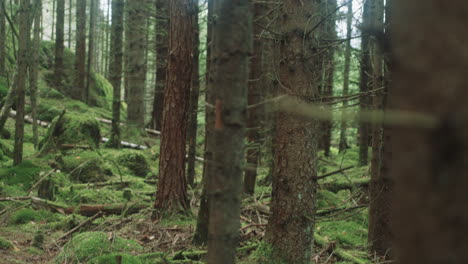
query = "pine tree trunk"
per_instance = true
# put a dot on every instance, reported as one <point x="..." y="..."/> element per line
<point x="59" y="44"/>
<point x="115" y="68"/>
<point x="172" y="188"/>
<point x="89" y="65"/>
<point x="136" y="62"/>
<point x="23" y="44"/>
<point x="52" y="36"/>
<point x="194" y="94"/>
<point x="2" y="41"/>
<point x="33" y="70"/>
<point x="70" y="8"/>
<point x="291" y="225"/>
<point x="232" y="47"/>
<point x="162" y="42"/>
<point x="365" y="72"/>
<point x="79" y="92"/>
<point x="349" y="19"/>
<point x="200" y="238"/>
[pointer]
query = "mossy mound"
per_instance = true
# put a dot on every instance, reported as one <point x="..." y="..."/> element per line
<point x="135" y="161"/>
<point x="5" y="244"/>
<point x="5" y="134"/>
<point x="112" y="259"/>
<point x="89" y="245"/>
<point x="6" y="149"/>
<point x="71" y="129"/>
<point x="47" y="112"/>
<point x="24" y="216"/>
<point x="86" y="166"/>
<point x="100" y="92"/>
<point x="24" y="174"/>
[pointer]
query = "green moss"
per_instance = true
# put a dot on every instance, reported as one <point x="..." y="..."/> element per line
<point x="24" y="174"/>
<point x="266" y="254"/>
<point x="34" y="251"/>
<point x="345" y="232"/>
<point x="24" y="216"/>
<point x="5" y="244"/>
<point x="3" y="87"/>
<point x="86" y="166"/>
<point x="101" y="91"/>
<point x="88" y="245"/>
<point x="112" y="258"/>
<point x="135" y="161"/>
<point x="46" y="112"/>
<point x="327" y="199"/>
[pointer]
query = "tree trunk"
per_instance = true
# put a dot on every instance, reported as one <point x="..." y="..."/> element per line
<point x="52" y="36"/>
<point x="430" y="168"/>
<point x="33" y="69"/>
<point x="194" y="94"/>
<point x="2" y="42"/>
<point x="136" y="62"/>
<point x="291" y="225"/>
<point x="23" y="44"/>
<point x="232" y="47"/>
<point x="115" y="68"/>
<point x="106" y="53"/>
<point x="255" y="96"/>
<point x="79" y="92"/>
<point x="172" y="188"/>
<point x="59" y="45"/>
<point x="92" y="25"/>
<point x="200" y="238"/>
<point x="162" y="42"/>
<point x="70" y="8"/>
<point x="349" y="19"/>
<point x="365" y="72"/>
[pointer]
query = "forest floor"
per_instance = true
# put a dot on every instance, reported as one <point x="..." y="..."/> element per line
<point x="34" y="231"/>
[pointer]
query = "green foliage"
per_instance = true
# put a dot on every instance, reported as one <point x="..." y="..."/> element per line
<point x="345" y="232"/>
<point x="24" y="174"/>
<point x="112" y="259"/>
<point x="265" y="254"/>
<point x="101" y="92"/>
<point x="34" y="251"/>
<point x="86" y="166"/>
<point x="5" y="244"/>
<point x="46" y="112"/>
<point x="3" y="88"/>
<point x="135" y="161"/>
<point x="24" y="216"/>
<point x="88" y="245"/>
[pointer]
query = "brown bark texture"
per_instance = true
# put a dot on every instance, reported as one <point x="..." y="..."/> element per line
<point x="59" y="44"/>
<point x="290" y="228"/>
<point x="33" y="69"/>
<point x="79" y="91"/>
<point x="2" y="42"/>
<point x="172" y="187"/>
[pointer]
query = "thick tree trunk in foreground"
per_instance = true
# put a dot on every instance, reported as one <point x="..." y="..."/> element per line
<point x="59" y="44"/>
<point x="115" y="68"/>
<point x="23" y="42"/>
<point x="162" y="42"/>
<point x="232" y="46"/>
<point x="136" y="10"/>
<point x="431" y="166"/>
<point x="79" y="92"/>
<point x="172" y="187"/>
<point x="33" y="69"/>
<point x="291" y="225"/>
<point x="200" y="237"/>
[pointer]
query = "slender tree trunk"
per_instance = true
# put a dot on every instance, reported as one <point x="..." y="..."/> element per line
<point x="115" y="67"/>
<point x="23" y="41"/>
<point x="194" y="93"/>
<point x="136" y="63"/>
<point x="70" y="8"/>
<point x="365" y="72"/>
<point x="79" y="92"/>
<point x="107" y="47"/>
<point x="431" y="158"/>
<point x="172" y="188"/>
<point x="349" y="19"/>
<point x="232" y="46"/>
<point x="2" y="42"/>
<point x="33" y="69"/>
<point x="162" y="42"/>
<point x="291" y="225"/>
<point x="92" y="26"/>
<point x="59" y="44"/>
<point x="200" y="238"/>
<point x="52" y="36"/>
<point x="255" y="92"/>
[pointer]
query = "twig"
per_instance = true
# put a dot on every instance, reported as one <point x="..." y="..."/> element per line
<point x="87" y="221"/>
<point x="333" y="172"/>
<point x="39" y="181"/>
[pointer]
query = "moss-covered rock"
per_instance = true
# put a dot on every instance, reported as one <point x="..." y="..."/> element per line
<point x="46" y="112"/>
<point x="112" y="259"/>
<point x="24" y="175"/>
<point x="5" y="244"/>
<point x="89" y="245"/>
<point x="86" y="166"/>
<point x="135" y="161"/>
<point x="71" y="129"/>
<point x="100" y="92"/>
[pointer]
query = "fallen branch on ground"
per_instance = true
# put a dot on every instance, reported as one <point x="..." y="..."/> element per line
<point x="76" y="228"/>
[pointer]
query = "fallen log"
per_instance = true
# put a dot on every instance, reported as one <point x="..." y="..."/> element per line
<point x="333" y="172"/>
<point x="76" y="228"/>
<point x="338" y="186"/>
<point x="339" y="252"/>
<point x="147" y="130"/>
<point x="102" y="184"/>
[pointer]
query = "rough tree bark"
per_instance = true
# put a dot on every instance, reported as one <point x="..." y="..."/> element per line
<point x="162" y="42"/>
<point x="59" y="44"/>
<point x="291" y="224"/>
<point x="136" y="20"/>
<point x="432" y="162"/>
<point x="70" y="8"/>
<point x="232" y="47"/>
<point x="91" y="55"/>
<point x="115" y="68"/>
<point x="172" y="188"/>
<point x="79" y="92"/>
<point x="349" y="20"/>
<point x="194" y="94"/>
<point x="23" y="44"/>
<point x="365" y="73"/>
<point x="2" y="41"/>
<point x="33" y="68"/>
